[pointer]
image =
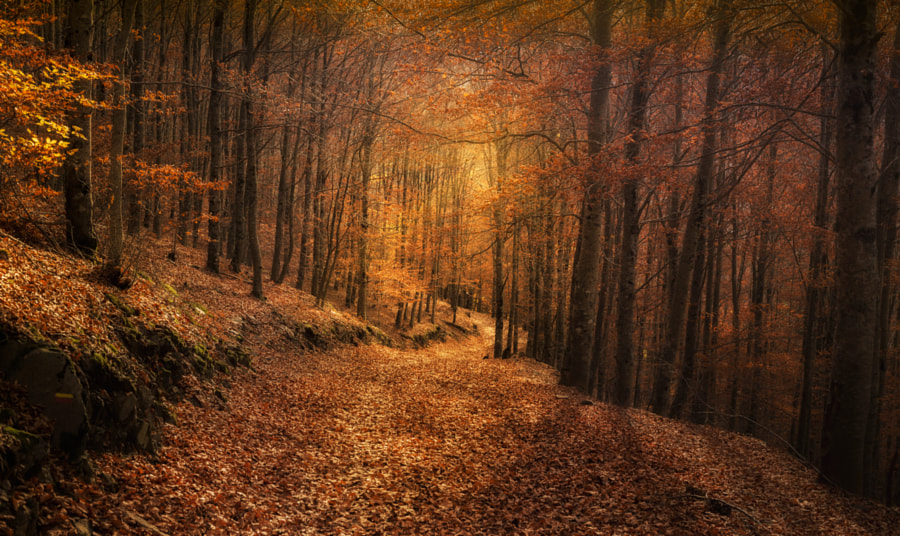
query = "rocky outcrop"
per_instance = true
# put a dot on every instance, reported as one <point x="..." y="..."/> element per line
<point x="54" y="383"/>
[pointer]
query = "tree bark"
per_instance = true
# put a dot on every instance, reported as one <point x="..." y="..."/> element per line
<point x="250" y="141"/>
<point x="79" y="203"/>
<point x="117" y="139"/>
<point x="886" y="239"/>
<point x="583" y="298"/>
<point x="214" y="122"/>
<point x="857" y="280"/>
<point x="678" y="298"/>
<point x="637" y="116"/>
<point x="137" y="110"/>
<point x="362" y="267"/>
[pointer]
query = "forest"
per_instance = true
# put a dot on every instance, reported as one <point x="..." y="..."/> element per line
<point x="688" y="207"/>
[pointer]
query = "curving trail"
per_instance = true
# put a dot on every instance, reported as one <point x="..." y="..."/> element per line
<point x="371" y="440"/>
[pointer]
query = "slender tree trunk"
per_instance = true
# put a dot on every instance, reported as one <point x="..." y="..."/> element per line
<point x="214" y="121"/>
<point x="282" y="211"/>
<point x="737" y="276"/>
<point x="137" y="109"/>
<point x="678" y="298"/>
<point x="640" y="96"/>
<point x="844" y="429"/>
<point x="238" y="231"/>
<point x="248" y="112"/>
<point x="687" y="379"/>
<point x="79" y="203"/>
<point x="583" y="310"/>
<point x="306" y="221"/>
<point x="117" y="139"/>
<point x="816" y="285"/>
<point x="707" y="370"/>
<point x="362" y="267"/>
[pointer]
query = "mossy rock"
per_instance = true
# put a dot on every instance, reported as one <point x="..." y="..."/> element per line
<point x="236" y="355"/>
<point x="380" y="336"/>
<point x="437" y="333"/>
<point x="105" y="372"/>
<point x="202" y="365"/>
<point x="22" y="452"/>
<point x="126" y="309"/>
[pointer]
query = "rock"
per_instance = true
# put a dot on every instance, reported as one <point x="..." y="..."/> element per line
<point x="51" y="381"/>
<point x="85" y="468"/>
<point x="145" y="396"/>
<point x="126" y="404"/>
<point x="24" y="452"/>
<point x="142" y="436"/>
<point x="27" y="514"/>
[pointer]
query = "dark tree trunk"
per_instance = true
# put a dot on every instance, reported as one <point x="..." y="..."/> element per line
<point x="813" y="322"/>
<point x="857" y="281"/>
<point x="214" y="121"/>
<point x="576" y="369"/>
<point x="637" y="116"/>
<point x="696" y="221"/>
<point x="76" y="171"/>
<point x="247" y="111"/>
<point x="137" y="109"/>
<point x="887" y="210"/>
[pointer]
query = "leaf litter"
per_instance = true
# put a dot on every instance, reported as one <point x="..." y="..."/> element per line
<point x="374" y="440"/>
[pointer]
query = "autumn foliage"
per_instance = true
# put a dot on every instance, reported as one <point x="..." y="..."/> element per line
<point x="658" y="200"/>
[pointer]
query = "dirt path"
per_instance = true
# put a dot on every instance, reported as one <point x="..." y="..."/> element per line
<point x="370" y="440"/>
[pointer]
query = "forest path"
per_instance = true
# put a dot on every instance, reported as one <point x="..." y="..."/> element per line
<point x="373" y="440"/>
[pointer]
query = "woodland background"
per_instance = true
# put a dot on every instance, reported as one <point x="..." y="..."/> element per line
<point x="684" y="206"/>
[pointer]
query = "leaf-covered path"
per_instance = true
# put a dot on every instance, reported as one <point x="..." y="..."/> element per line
<point x="372" y="440"/>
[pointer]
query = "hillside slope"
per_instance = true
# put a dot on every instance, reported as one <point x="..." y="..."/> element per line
<point x="329" y="433"/>
<point x="374" y="440"/>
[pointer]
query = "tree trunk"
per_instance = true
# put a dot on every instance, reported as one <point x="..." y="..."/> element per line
<point x="136" y="108"/>
<point x="214" y="121"/>
<point x="250" y="151"/>
<point x="583" y="309"/>
<point x="79" y="203"/>
<point x="362" y="267"/>
<point x="282" y="211"/>
<point x="117" y="140"/>
<point x="857" y="281"/>
<point x="678" y="298"/>
<point x="816" y="286"/>
<point x="886" y="239"/>
<point x="306" y="221"/>
<point x="637" y="115"/>
<point x="687" y="379"/>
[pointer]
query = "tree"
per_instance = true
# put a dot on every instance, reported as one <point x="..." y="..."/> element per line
<point x="76" y="169"/>
<point x="214" y="121"/>
<point x="583" y="301"/>
<point x="857" y="280"/>
<point x="117" y="149"/>
<point x="637" y="116"/>
<point x="691" y="246"/>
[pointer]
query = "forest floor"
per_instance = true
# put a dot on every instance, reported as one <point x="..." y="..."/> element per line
<point x="367" y="439"/>
<point x="373" y="440"/>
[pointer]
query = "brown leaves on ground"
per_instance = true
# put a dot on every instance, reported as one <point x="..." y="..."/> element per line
<point x="372" y="440"/>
